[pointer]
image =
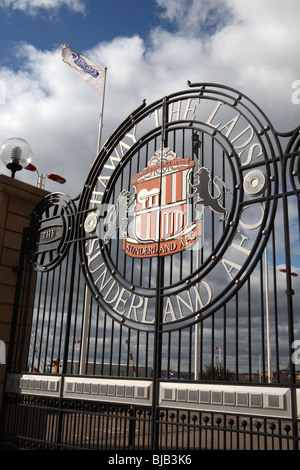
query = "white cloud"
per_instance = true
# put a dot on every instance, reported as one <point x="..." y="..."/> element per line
<point x="32" y="6"/>
<point x="51" y="108"/>
<point x="195" y="16"/>
<point x="251" y="46"/>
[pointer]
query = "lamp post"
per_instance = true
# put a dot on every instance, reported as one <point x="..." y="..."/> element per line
<point x="16" y="154"/>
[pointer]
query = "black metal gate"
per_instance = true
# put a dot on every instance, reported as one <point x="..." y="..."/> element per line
<point x="159" y="310"/>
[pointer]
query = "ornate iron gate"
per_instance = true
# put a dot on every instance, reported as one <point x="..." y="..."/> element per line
<point x="159" y="310"/>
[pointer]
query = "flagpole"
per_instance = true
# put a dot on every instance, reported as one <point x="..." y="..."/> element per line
<point x="92" y="74"/>
<point x="87" y="300"/>
<point x="101" y="115"/>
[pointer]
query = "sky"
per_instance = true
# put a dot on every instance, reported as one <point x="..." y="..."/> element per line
<point x="151" y="48"/>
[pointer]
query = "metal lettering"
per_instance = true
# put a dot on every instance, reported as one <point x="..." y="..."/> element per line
<point x="94" y="199"/>
<point x="239" y="246"/>
<point x="251" y="152"/>
<point x="199" y="301"/>
<point x="123" y="148"/>
<point x="112" y="293"/>
<point x="211" y="117"/>
<point x="192" y="110"/>
<point x="102" y="180"/>
<point x="120" y="299"/>
<point x="193" y="303"/>
<point x="241" y="134"/>
<point x="231" y="265"/>
<point x="169" y="310"/>
<point x="112" y="160"/>
<point x="230" y="125"/>
<point x="255" y="225"/>
<point x="189" y="304"/>
<point x="50" y="234"/>
<point x="156" y="117"/>
<point x="109" y="291"/>
<point x="90" y="252"/>
<point x="145" y="311"/>
<point x="133" y="308"/>
<point x="176" y="112"/>
<point x="158" y="232"/>
<point x="103" y="275"/>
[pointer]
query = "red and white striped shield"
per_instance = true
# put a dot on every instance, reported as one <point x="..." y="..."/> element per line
<point x="162" y="221"/>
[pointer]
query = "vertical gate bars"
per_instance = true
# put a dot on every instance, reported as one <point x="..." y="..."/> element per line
<point x="228" y="313"/>
<point x="158" y="308"/>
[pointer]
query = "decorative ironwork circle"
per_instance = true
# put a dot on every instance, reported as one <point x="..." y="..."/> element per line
<point x="255" y="183"/>
<point x="50" y="231"/>
<point x="294" y="167"/>
<point x="178" y="206"/>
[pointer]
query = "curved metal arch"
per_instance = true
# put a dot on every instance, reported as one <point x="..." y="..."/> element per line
<point x="269" y="161"/>
<point x="64" y="209"/>
<point x="293" y="150"/>
<point x="142" y="111"/>
<point x="232" y="288"/>
<point x="238" y="100"/>
<point x="134" y="149"/>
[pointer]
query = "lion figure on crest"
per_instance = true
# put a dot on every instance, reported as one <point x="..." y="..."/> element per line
<point x="202" y="191"/>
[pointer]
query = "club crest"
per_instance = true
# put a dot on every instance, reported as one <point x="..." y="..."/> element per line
<point x="163" y="220"/>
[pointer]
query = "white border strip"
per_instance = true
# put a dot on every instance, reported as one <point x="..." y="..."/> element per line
<point x="250" y="400"/>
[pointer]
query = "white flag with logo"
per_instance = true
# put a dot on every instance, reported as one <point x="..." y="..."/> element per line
<point x="84" y="67"/>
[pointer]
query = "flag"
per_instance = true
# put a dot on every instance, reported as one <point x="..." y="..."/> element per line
<point x="85" y="68"/>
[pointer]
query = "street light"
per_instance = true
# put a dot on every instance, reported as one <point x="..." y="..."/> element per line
<point x="16" y="154"/>
<point x="41" y="178"/>
<point x="282" y="270"/>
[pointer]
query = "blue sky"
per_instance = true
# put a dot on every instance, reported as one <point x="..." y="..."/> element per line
<point x="150" y="48"/>
<point x="100" y="20"/>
